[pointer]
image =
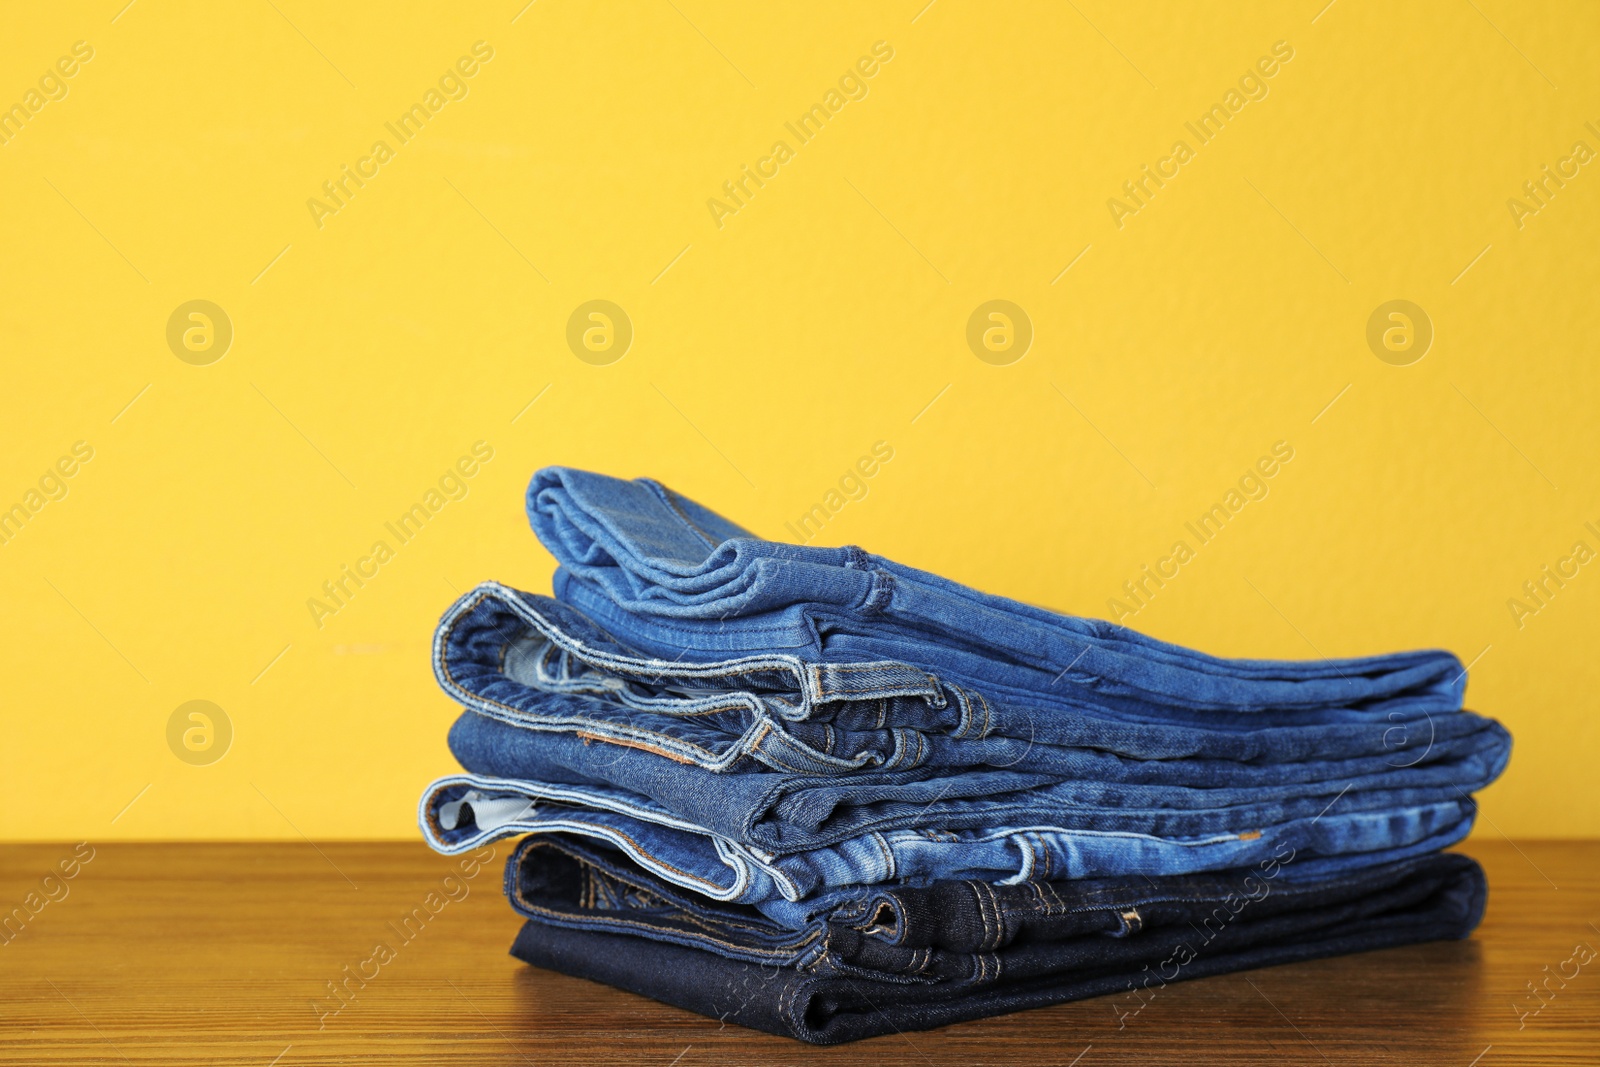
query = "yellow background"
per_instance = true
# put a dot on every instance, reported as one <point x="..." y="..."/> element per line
<point x="771" y="353"/>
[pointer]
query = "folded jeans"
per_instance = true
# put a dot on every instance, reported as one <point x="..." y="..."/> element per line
<point x="1119" y="941"/>
<point x="951" y="930"/>
<point x="784" y="812"/>
<point x="534" y="662"/>
<point x="673" y="577"/>
<point x="461" y="812"/>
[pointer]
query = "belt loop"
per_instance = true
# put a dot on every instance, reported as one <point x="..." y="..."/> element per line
<point x="872" y="681"/>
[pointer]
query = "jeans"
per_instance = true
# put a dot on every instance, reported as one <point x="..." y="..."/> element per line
<point x="784" y="813"/>
<point x="914" y="959"/>
<point x="675" y="579"/>
<point x="940" y="930"/>
<point x="535" y="662"/>
<point x="462" y="812"/>
<point x="553" y="699"/>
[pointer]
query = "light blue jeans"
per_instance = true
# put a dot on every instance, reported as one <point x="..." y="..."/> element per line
<point x="675" y="579"/>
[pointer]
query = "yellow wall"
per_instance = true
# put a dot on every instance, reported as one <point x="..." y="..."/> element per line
<point x="773" y="345"/>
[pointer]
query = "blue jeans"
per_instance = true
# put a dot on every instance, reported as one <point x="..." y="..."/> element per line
<point x="675" y="579"/>
<point x="461" y="812"/>
<point x="941" y="930"/>
<point x="508" y="654"/>
<point x="786" y="812"/>
<point x="545" y="707"/>
<point x="911" y="959"/>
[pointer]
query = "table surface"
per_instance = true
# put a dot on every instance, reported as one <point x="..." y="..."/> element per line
<point x="223" y="953"/>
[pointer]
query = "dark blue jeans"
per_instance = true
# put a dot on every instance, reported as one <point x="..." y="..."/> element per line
<point x="909" y="959"/>
<point x="674" y="578"/>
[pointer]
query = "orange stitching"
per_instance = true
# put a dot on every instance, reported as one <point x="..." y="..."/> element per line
<point x="589" y="735"/>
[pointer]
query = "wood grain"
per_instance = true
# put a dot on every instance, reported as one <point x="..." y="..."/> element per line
<point x="215" y="953"/>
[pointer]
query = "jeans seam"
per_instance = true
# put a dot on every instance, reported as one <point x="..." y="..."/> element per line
<point x="511" y="602"/>
<point x="994" y="906"/>
<point x="474" y="698"/>
<point x="888" y="855"/>
<point x="668" y="497"/>
<point x="964" y="723"/>
<point x="709" y="938"/>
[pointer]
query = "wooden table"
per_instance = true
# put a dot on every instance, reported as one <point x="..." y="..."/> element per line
<point x="220" y="953"/>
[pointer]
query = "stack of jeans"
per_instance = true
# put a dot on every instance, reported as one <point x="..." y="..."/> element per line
<point x="825" y="795"/>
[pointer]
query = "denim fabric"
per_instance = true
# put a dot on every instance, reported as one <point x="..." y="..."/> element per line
<point x="950" y="930"/>
<point x="953" y="952"/>
<point x="783" y="813"/>
<point x="823" y="794"/>
<point x="533" y="662"/>
<point x="462" y="812"/>
<point x="673" y="578"/>
<point x="589" y="720"/>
